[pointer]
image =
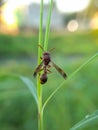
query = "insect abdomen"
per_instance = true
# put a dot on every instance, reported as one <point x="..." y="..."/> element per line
<point x="43" y="78"/>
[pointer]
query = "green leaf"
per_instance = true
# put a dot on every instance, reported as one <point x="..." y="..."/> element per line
<point x="89" y="120"/>
<point x="29" y="84"/>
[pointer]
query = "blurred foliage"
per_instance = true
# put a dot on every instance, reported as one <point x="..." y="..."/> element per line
<point x="92" y="8"/>
<point x="2" y="2"/>
<point x="82" y="42"/>
<point x="73" y="102"/>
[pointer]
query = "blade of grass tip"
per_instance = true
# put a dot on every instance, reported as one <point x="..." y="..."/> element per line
<point x="65" y="81"/>
<point x="48" y="26"/>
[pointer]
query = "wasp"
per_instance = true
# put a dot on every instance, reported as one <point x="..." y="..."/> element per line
<point x="45" y="65"/>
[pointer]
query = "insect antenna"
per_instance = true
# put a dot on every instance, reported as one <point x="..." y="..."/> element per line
<point x="51" y="49"/>
<point x="44" y="50"/>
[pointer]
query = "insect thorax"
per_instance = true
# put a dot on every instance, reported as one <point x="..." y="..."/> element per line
<point x="46" y="58"/>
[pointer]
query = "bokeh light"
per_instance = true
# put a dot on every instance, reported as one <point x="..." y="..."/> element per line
<point x="72" y="5"/>
<point x="94" y="21"/>
<point x="72" y="25"/>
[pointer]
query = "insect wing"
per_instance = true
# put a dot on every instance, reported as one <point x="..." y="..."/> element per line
<point x="59" y="70"/>
<point x="38" y="69"/>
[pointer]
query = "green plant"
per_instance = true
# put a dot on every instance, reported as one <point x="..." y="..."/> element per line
<point x="45" y="46"/>
<point x="38" y="93"/>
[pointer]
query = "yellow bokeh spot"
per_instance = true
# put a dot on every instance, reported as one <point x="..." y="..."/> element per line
<point x="9" y="23"/>
<point x="94" y="21"/>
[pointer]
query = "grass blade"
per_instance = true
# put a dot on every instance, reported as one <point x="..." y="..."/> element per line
<point x="85" y="63"/>
<point x="70" y="76"/>
<point x="89" y="120"/>
<point x="29" y="84"/>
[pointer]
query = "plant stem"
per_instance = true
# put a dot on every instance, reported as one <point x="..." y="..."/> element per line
<point x="48" y="26"/>
<point x="39" y="87"/>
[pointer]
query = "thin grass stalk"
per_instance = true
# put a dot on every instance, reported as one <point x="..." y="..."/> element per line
<point x="48" y="27"/>
<point x="39" y="87"/>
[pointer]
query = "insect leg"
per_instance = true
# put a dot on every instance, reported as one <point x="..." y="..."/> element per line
<point x="41" y="58"/>
<point x="41" y="47"/>
<point x="37" y="70"/>
<point x="49" y="66"/>
<point x="49" y="71"/>
<point x="51" y="49"/>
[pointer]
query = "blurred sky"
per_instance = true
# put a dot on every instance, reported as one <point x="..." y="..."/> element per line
<point x="62" y="5"/>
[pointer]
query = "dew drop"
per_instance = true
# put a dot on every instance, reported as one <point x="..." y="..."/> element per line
<point x="87" y="116"/>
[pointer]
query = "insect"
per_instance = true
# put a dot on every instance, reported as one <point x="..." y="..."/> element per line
<point x="45" y="65"/>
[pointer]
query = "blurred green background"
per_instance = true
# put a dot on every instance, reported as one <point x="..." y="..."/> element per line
<point x="74" y="101"/>
<point x="74" y="35"/>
